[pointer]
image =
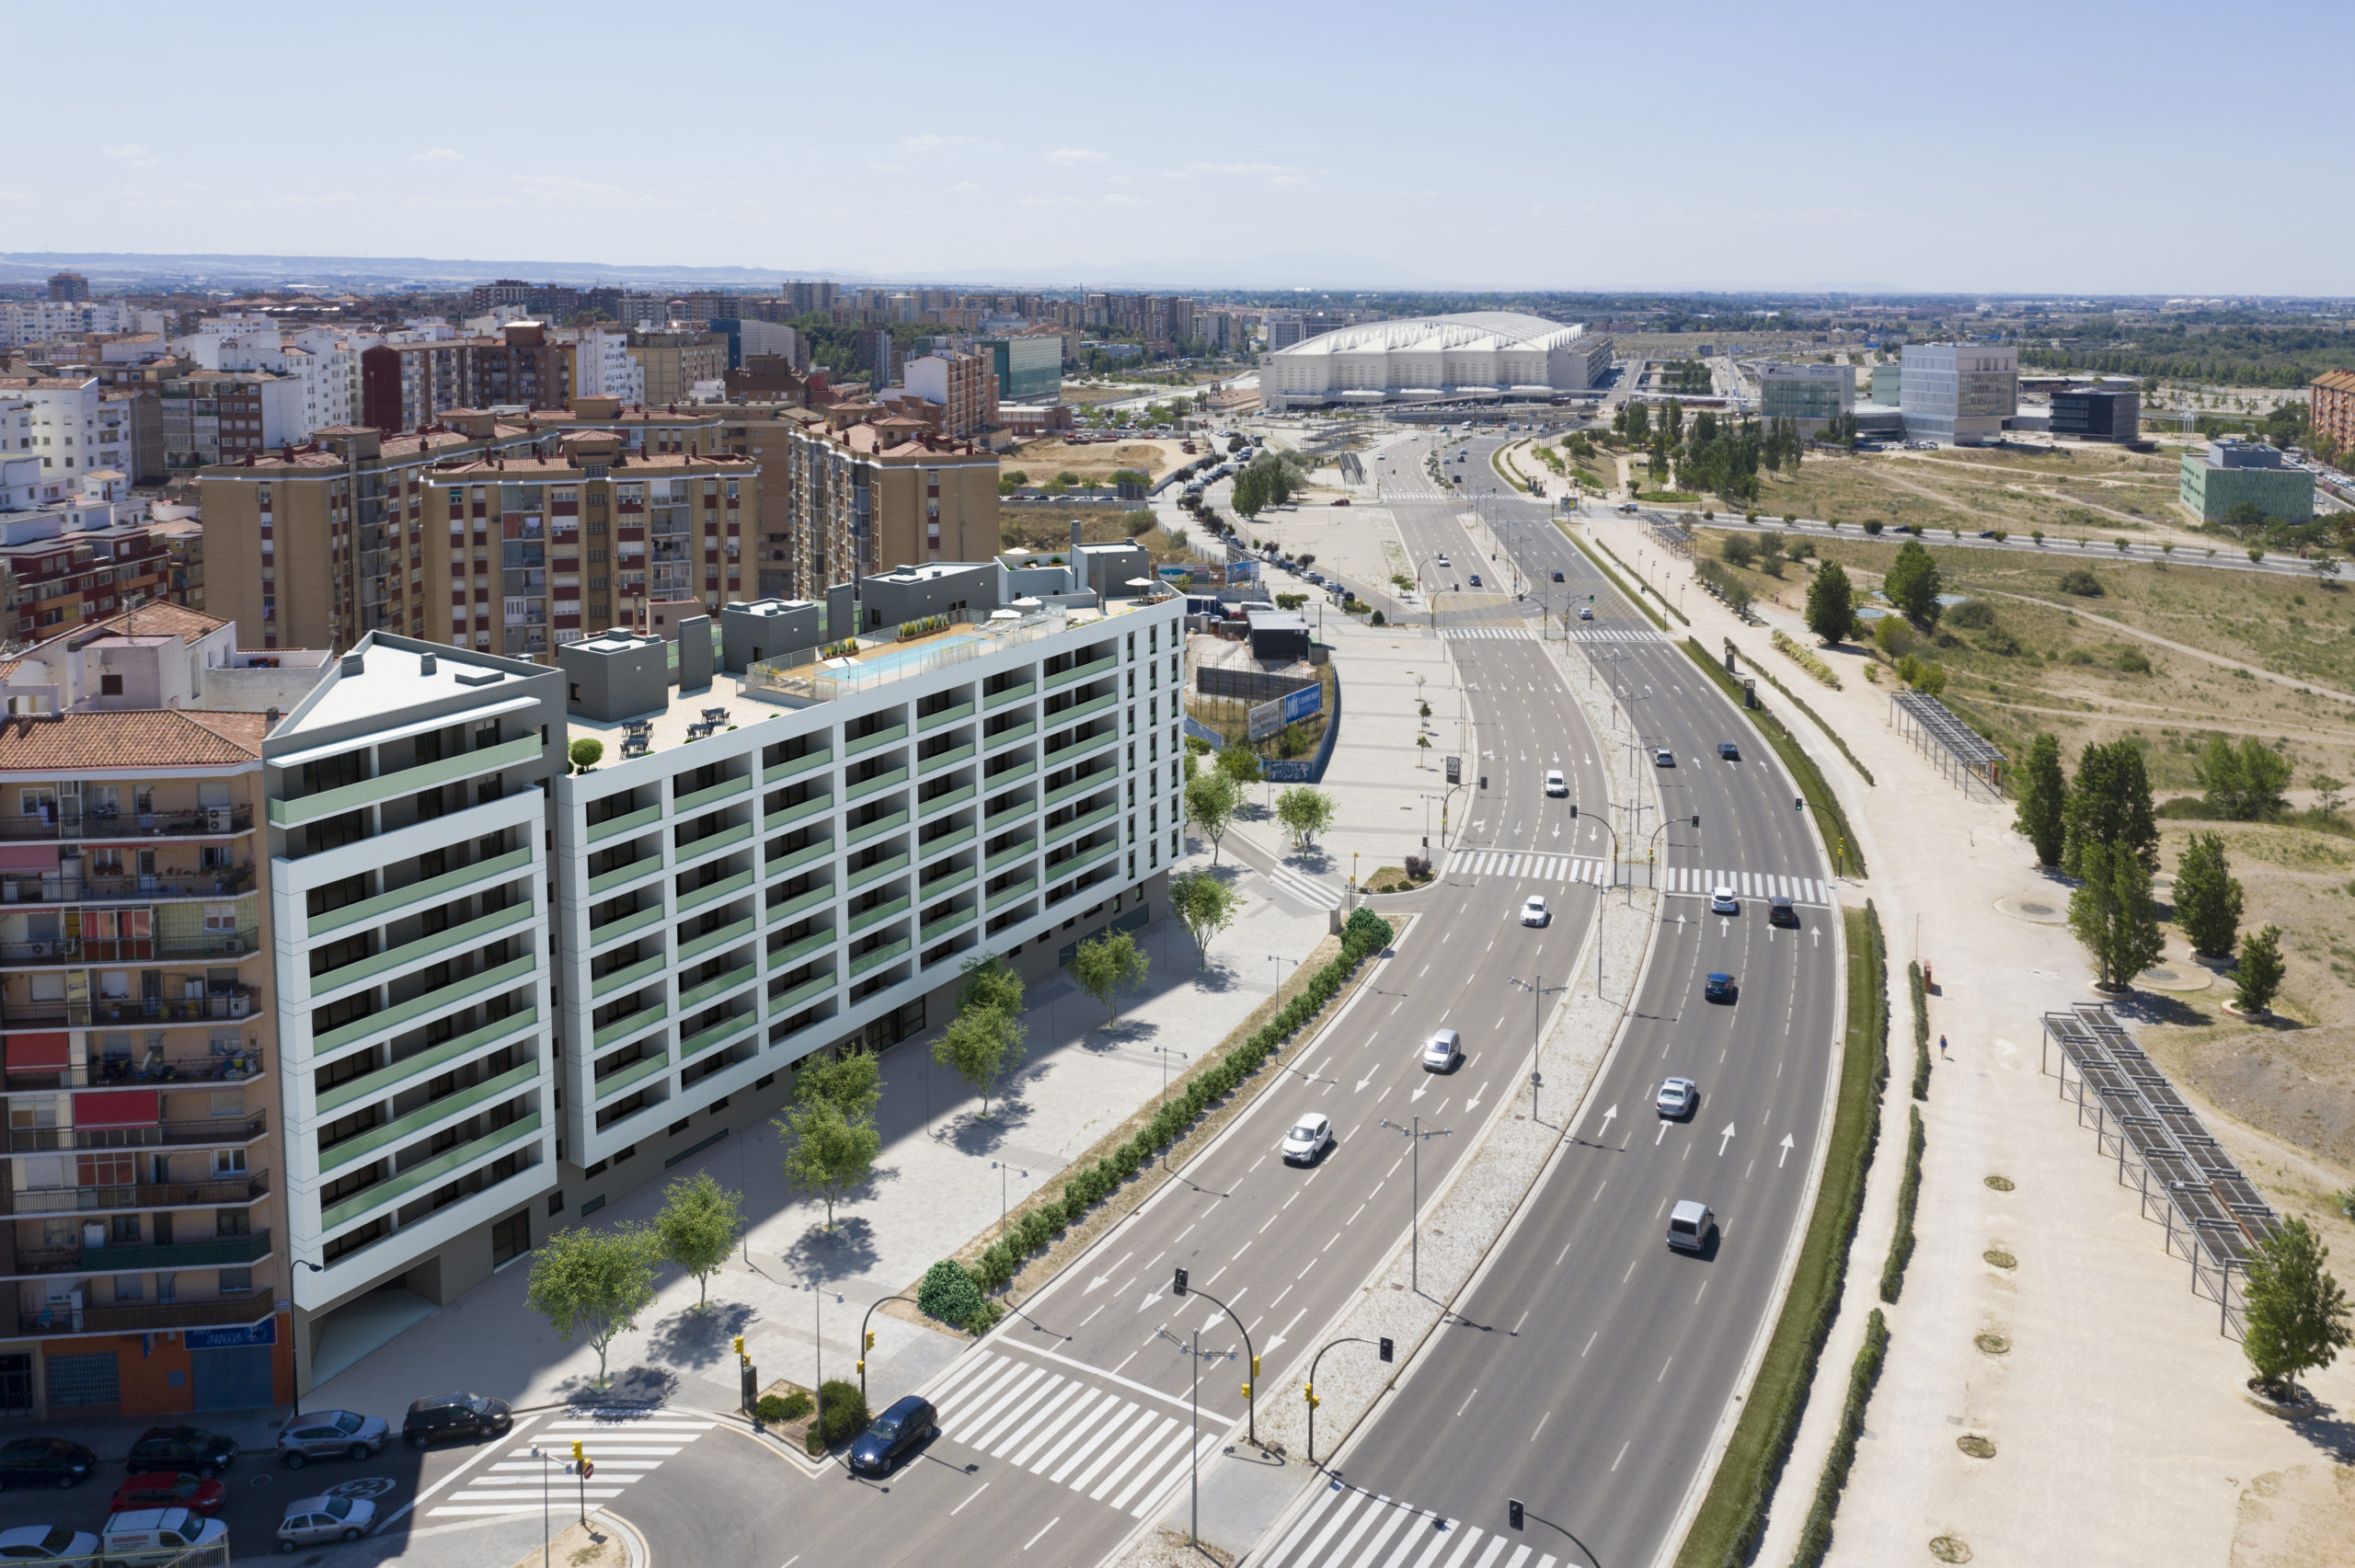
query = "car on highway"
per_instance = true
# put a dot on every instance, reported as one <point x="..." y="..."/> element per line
<point x="324" y="1434"/>
<point x="1555" y="783"/>
<point x="44" y="1543"/>
<point x="182" y="1448"/>
<point x="1728" y="752"/>
<point x="165" y="1489"/>
<point x="1723" y="902"/>
<point x="1663" y="758"/>
<point x="1311" y="1136"/>
<point x="45" y="1461"/>
<point x="1442" y="1050"/>
<point x="1476" y="579"/>
<point x="1557" y="577"/>
<point x="1534" y="910"/>
<point x="1443" y="560"/>
<point x="1718" y="987"/>
<point x="310" y="1521"/>
<point x="1690" y="1224"/>
<point x="894" y="1435"/>
<point x="454" y="1415"/>
<point x="1779" y="912"/>
<point x="1677" y="1098"/>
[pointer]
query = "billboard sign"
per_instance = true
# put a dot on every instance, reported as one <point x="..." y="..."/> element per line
<point x="1305" y="702"/>
<point x="1267" y="718"/>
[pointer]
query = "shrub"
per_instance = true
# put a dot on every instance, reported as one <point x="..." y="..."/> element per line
<point x="2081" y="582"/>
<point x="1972" y="615"/>
<point x="1872" y="525"/>
<point x="778" y="1409"/>
<point x="842" y="1412"/>
<point x="949" y="1292"/>
<point x="585" y="753"/>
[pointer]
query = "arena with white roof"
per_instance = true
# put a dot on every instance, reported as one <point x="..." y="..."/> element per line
<point x="1485" y="354"/>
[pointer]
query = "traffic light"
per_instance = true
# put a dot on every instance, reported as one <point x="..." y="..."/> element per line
<point x="1246" y="1393"/>
<point x="871" y="1339"/>
<point x="1514" y="1512"/>
<point x="740" y="1347"/>
<point x="862" y="1365"/>
<point x="1180" y="1287"/>
<point x="1574" y="810"/>
<point x="1255" y="1368"/>
<point x="577" y="1455"/>
<point x="1697" y="820"/>
<point x="1798" y="802"/>
<point x="1386" y="1348"/>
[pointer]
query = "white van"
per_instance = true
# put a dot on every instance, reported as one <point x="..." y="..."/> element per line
<point x="1689" y="1225"/>
<point x="177" y="1536"/>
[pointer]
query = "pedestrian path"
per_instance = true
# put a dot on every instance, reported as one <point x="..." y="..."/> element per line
<point x="1114" y="1441"/>
<point x="621" y="1447"/>
<point x="1544" y="867"/>
<point x="1302" y="887"/>
<point x="1749" y="883"/>
<point x="1349" y="1528"/>
<point x="1530" y="634"/>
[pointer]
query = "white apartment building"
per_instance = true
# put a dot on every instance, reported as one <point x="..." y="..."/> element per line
<point x="1958" y="392"/>
<point x="70" y="424"/>
<point x="603" y="366"/>
<point x="23" y="322"/>
<point x="323" y="363"/>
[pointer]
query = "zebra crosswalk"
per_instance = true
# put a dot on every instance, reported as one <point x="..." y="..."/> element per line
<point x="1058" y="1423"/>
<point x="1303" y="888"/>
<point x="1348" y="1527"/>
<point x="622" y="1446"/>
<point x="1544" y="867"/>
<point x="1749" y="883"/>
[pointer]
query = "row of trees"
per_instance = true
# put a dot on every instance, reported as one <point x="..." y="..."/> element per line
<point x="1270" y="479"/>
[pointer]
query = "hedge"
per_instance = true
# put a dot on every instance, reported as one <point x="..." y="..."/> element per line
<point x="1914" y="983"/>
<point x="1909" y="1190"/>
<point x="1815" y="1536"/>
<point x="1365" y="934"/>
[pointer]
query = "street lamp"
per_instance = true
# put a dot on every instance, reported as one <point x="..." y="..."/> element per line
<point x="1001" y="1168"/>
<point x="1536" y="990"/>
<point x="1177" y="1287"/>
<point x="866" y="1337"/>
<point x="818" y="1347"/>
<point x="1164" y="1053"/>
<point x="1415" y="1136"/>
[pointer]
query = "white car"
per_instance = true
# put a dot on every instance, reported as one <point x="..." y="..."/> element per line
<point x="1443" y="560"/>
<point x="1442" y="1050"/>
<point x="1723" y="902"/>
<point x="1534" y="910"/>
<point x="1585" y="612"/>
<point x="310" y="1521"/>
<point x="43" y="1543"/>
<point x="1555" y="783"/>
<point x="1677" y="1097"/>
<point x="1663" y="758"/>
<point x="1310" y="1137"/>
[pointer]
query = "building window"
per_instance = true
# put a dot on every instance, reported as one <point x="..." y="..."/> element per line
<point x="510" y="1237"/>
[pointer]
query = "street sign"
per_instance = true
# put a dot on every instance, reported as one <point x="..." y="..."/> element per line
<point x="1455" y="770"/>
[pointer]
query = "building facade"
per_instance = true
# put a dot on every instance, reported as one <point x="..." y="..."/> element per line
<point x="1812" y="394"/>
<point x="1958" y="392"/>
<point x="2235" y="473"/>
<point x="860" y="499"/>
<point x="1029" y="369"/>
<point x="964" y="386"/>
<point x="2099" y="413"/>
<point x="2331" y="405"/>
<point x="673" y="361"/>
<point x="72" y="426"/>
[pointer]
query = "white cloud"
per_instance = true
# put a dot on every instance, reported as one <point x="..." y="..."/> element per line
<point x="1074" y="155"/>
<point x="1288" y="182"/>
<point x="1193" y="171"/>
<point x="132" y="152"/>
<point x="438" y="155"/>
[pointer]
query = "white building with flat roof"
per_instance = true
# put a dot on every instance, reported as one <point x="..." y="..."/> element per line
<point x="1481" y="354"/>
<point x="1958" y="392"/>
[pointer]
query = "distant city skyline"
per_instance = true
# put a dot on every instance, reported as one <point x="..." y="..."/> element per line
<point x="2018" y="150"/>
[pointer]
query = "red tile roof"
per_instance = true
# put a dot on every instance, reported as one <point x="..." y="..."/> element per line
<point x="116" y="742"/>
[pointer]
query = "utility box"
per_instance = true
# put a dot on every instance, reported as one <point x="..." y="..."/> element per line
<point x="1750" y="694"/>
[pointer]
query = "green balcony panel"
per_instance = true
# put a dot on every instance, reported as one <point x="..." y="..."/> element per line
<point x="807" y="991"/>
<point x="793" y="953"/>
<point x="806" y="854"/>
<point x="876" y="741"/>
<point x="1006" y="895"/>
<point x="867" y="919"/>
<point x="432" y="890"/>
<point x="361" y="1203"/>
<point x="426" y="1063"/>
<point x="718" y="1034"/>
<point x="377" y="1140"/>
<point x="945" y="716"/>
<point x="712" y="843"/>
<point x="622" y="1078"/>
<point x="815" y="805"/>
<point x="1082" y="671"/>
<point x="1080" y="824"/>
<point x="776" y="913"/>
<point x="998" y="820"/>
<point x="1011" y="694"/>
<point x="1008" y="735"/>
<point x="613" y="827"/>
<point x="645" y="865"/>
<point x="408" y="780"/>
<point x="622" y="925"/>
<point x="949" y="759"/>
<point x="878" y="958"/>
<point x="441" y="944"/>
<point x="214" y="1253"/>
<point x="1078" y="710"/>
<point x="866" y="875"/>
<point x="711" y="939"/>
<point x="1103" y="778"/>
<point x="875" y="828"/>
<point x="940" y="802"/>
<point x="797" y="766"/>
<point x="1064" y="756"/>
<point x="457" y="993"/>
<point x="727" y="789"/>
<point x="1011" y="854"/>
<point x="639" y="973"/>
<point x="998" y="778"/>
<point x="934" y="930"/>
<point x="716" y="890"/>
<point x="867" y="788"/>
<point x="638" y="1023"/>
<point x="717" y="985"/>
<point x="956" y="876"/>
<point x="941" y="844"/>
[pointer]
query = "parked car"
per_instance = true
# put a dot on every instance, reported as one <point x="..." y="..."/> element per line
<point x="324" y="1434"/>
<point x="165" y="1489"/>
<point x="1340" y="501"/>
<point x="1442" y="1050"/>
<point x="45" y="1461"/>
<point x="1534" y="910"/>
<point x="1309" y="1136"/>
<point x="1677" y="1098"/>
<point x="311" y="1520"/>
<point x="1689" y="1226"/>
<point x="44" y="1543"/>
<point x="1557" y="577"/>
<point x="182" y="1448"/>
<point x="454" y="1415"/>
<point x="158" y="1535"/>
<point x="1718" y="987"/>
<point x="894" y="1435"/>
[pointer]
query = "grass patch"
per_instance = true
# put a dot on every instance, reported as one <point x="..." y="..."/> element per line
<point x="1805" y="658"/>
<point x="1916" y="984"/>
<point x="1815" y="1536"/>
<point x="1833" y="822"/>
<point x="1631" y="595"/>
<point x="1837" y="739"/>
<point x="1909" y="1193"/>
<point x="1725" y="1532"/>
<point x="1395" y="879"/>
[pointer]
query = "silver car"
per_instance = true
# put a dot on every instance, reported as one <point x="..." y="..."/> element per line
<point x="325" y="1434"/>
<point x="310" y="1520"/>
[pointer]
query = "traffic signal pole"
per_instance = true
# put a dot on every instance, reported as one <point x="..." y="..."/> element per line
<point x="1250" y="1389"/>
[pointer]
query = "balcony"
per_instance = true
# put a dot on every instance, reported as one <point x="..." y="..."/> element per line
<point x="1011" y="694"/>
<point x="927" y="766"/>
<point x="998" y="820"/>
<point x="779" y="864"/>
<point x="793" y="953"/>
<point x="466" y="935"/>
<point x="631" y="1023"/>
<point x="878" y="957"/>
<point x="867" y="919"/>
<point x="806" y="991"/>
<point x="880" y="737"/>
<point x="688" y="804"/>
<point x="237" y="1001"/>
<point x="1082" y="671"/>
<point x="426" y="1062"/>
<point x="698" y="898"/>
<point x="65" y="1320"/>
<point x="108" y="827"/>
<point x="225" y="1133"/>
<point x="711" y="843"/>
<point x="866" y="875"/>
<point x="288" y="813"/>
<point x="956" y="919"/>
<point x="622" y="925"/>
<point x="622" y="875"/>
<point x="945" y="716"/>
<point x="612" y="1084"/>
<point x="697" y="946"/>
<point x="613" y="827"/>
<point x="797" y="766"/>
<point x="621" y="979"/>
<point x="375" y="1141"/>
<point x="476" y="987"/>
<point x="1078" y="710"/>
<point x="876" y="785"/>
<point x="792" y="814"/>
<point x="1061" y="830"/>
<point x="233" y="1192"/>
<point x="417" y="895"/>
<point x="1064" y="755"/>
<point x="1006" y="895"/>
<point x="219" y="882"/>
<point x="121" y="1073"/>
<point x="717" y="985"/>
<point x="135" y="1257"/>
<point x="956" y="876"/>
<point x="1009" y="854"/>
<point x="718" y="1034"/>
<point x="877" y="829"/>
<point x="935" y="805"/>
<point x="1103" y="778"/>
<point x="1007" y="735"/>
<point x="370" y="1199"/>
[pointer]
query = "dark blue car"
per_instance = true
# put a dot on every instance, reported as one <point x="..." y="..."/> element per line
<point x="894" y="1435"/>
<point x="1718" y="987"/>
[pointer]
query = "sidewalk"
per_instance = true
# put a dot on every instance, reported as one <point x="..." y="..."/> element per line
<point x="2119" y="1432"/>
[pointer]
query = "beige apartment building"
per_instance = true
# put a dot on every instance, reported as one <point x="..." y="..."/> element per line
<point x="675" y="361"/>
<point x="865" y="497"/>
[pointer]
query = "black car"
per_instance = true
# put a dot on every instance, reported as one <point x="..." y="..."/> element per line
<point x="182" y="1449"/>
<point x="894" y="1435"/>
<point x="1557" y="577"/>
<point x="454" y="1415"/>
<point x="45" y="1461"/>
<point x="1780" y="911"/>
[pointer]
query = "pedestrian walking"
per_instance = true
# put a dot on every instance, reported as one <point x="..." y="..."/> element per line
<point x="1941" y="1045"/>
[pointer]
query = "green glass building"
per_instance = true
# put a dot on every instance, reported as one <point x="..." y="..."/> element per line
<point x="1029" y="370"/>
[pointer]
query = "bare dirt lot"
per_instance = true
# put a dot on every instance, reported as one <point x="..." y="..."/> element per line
<point x="2070" y="490"/>
<point x="1042" y="460"/>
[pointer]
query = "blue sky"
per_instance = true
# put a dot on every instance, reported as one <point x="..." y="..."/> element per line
<point x="2157" y="147"/>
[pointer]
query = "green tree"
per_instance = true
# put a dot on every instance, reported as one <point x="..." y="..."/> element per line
<point x="2330" y="793"/>
<point x="852" y="1082"/>
<point x="592" y="1285"/>
<point x="949" y="1293"/>
<point x="1205" y="905"/>
<point x="2109" y="804"/>
<point x="980" y="1044"/>
<point x="827" y="1152"/>
<point x="1913" y="583"/>
<point x="991" y="981"/>
<point x="2112" y="914"/>
<point x="1210" y="800"/>
<point x="2245" y="514"/>
<point x="1306" y="810"/>
<point x="1108" y="966"/>
<point x="585" y="753"/>
<point x="2257" y="978"/>
<point x="1240" y="763"/>
<point x="2246" y="781"/>
<point x="697" y="1228"/>
<point x="2044" y="799"/>
<point x="2206" y="899"/>
<point x="2295" y="1314"/>
<point x="1831" y="603"/>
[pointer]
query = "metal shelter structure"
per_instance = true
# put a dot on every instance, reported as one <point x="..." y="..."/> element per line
<point x="1965" y="758"/>
<point x="2213" y="1212"/>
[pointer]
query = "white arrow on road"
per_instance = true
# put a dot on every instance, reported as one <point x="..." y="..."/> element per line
<point x="1419" y="1093"/>
<point x="1724" y="1138"/>
<point x="1363" y="1082"/>
<point x="1787" y="1152"/>
<point x="1605" y="1130"/>
<point x="1474" y="1102"/>
<point x="1108" y="1273"/>
<point x="1150" y="1298"/>
<point x="1724" y="925"/>
<point x="1680" y="922"/>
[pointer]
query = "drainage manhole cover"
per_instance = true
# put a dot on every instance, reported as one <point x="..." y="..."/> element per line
<point x="2028" y="908"/>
